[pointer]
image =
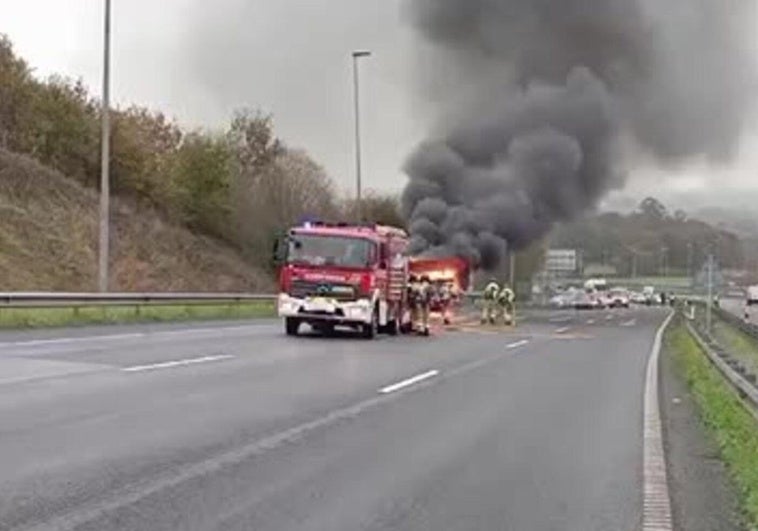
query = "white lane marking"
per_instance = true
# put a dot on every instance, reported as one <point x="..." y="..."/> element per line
<point x="134" y="335"/>
<point x="517" y="344"/>
<point x="408" y="382"/>
<point x="656" y="504"/>
<point x="564" y="319"/>
<point x="177" y="363"/>
<point x="590" y="321"/>
<point x="67" y="340"/>
<point x="631" y="322"/>
<point x="135" y="492"/>
<point x="563" y="330"/>
<point x="608" y="317"/>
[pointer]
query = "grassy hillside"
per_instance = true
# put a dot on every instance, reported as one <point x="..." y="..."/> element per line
<point x="48" y="241"/>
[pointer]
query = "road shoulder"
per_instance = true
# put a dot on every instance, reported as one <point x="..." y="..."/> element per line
<point x="703" y="497"/>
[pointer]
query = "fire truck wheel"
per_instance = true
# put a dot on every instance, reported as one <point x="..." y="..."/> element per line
<point x="370" y="331"/>
<point x="326" y="329"/>
<point x="393" y="326"/>
<point x="292" y="326"/>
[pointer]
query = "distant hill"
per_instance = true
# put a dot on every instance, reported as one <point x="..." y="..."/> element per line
<point x="733" y="210"/>
<point x="48" y="241"/>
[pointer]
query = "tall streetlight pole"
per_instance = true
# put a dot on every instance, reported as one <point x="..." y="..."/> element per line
<point x="105" y="157"/>
<point x="512" y="270"/>
<point x="356" y="96"/>
<point x="689" y="261"/>
<point x="709" y="306"/>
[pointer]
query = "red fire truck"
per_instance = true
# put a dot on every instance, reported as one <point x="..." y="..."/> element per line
<point x="344" y="275"/>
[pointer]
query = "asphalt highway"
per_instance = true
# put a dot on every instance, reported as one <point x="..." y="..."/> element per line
<point x="237" y="427"/>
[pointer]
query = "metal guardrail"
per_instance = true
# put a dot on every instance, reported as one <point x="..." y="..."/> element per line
<point x="745" y="384"/>
<point x="55" y="300"/>
<point x="737" y="322"/>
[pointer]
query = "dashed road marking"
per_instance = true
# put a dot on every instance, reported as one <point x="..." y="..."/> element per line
<point x="656" y="505"/>
<point x="134" y="493"/>
<point x="563" y="330"/>
<point x="517" y="344"/>
<point x="590" y="321"/>
<point x="564" y="319"/>
<point x="408" y="382"/>
<point x="177" y="363"/>
<point x="608" y="317"/>
<point x="182" y="332"/>
<point x="631" y="322"/>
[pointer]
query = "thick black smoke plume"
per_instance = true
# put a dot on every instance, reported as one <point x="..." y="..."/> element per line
<point x="539" y="96"/>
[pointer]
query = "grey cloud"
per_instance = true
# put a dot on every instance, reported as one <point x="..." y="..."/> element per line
<point x="541" y="94"/>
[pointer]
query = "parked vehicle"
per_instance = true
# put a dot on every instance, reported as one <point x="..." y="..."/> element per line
<point x="344" y="275"/>
<point x="582" y="300"/>
<point x="651" y="298"/>
<point x="637" y="298"/>
<point x="752" y="295"/>
<point x="564" y="299"/>
<point x="618" y="298"/>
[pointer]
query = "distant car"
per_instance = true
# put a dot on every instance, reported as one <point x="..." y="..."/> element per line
<point x="637" y="298"/>
<point x="585" y="301"/>
<point x="559" y="301"/>
<point x="563" y="299"/>
<point x="600" y="297"/>
<point x="651" y="298"/>
<point x="618" y="298"/>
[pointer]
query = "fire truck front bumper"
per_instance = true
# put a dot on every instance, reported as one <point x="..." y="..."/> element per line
<point x="321" y="309"/>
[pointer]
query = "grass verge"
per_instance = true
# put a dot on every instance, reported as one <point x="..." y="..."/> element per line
<point x="736" y="342"/>
<point x="734" y="429"/>
<point x="16" y="318"/>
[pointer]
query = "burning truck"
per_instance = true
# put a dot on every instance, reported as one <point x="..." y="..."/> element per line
<point x="450" y="278"/>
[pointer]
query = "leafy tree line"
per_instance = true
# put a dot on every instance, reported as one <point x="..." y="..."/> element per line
<point x="650" y="241"/>
<point x="242" y="185"/>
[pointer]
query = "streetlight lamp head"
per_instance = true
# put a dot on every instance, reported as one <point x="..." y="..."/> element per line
<point x="361" y="53"/>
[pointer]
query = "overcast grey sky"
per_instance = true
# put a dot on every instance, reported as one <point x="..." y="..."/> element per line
<point x="197" y="60"/>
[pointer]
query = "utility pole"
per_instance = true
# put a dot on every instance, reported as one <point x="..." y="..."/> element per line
<point x="512" y="270"/>
<point x="356" y="98"/>
<point x="689" y="261"/>
<point x="665" y="257"/>
<point x="634" y="264"/>
<point x="709" y="306"/>
<point x="105" y="158"/>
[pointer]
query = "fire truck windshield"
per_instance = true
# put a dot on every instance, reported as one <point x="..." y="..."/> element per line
<point x="340" y="251"/>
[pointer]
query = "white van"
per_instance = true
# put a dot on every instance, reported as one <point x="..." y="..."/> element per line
<point x="650" y="296"/>
<point x="596" y="284"/>
<point x="752" y="295"/>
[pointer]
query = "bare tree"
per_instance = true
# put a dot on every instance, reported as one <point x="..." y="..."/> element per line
<point x="291" y="188"/>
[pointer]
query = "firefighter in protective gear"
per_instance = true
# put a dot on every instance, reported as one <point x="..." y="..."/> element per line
<point x="505" y="300"/>
<point x="423" y="299"/>
<point x="412" y="289"/>
<point x="445" y="294"/>
<point x="489" y="308"/>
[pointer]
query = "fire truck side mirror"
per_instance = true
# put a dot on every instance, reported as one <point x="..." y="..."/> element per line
<point x="279" y="252"/>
